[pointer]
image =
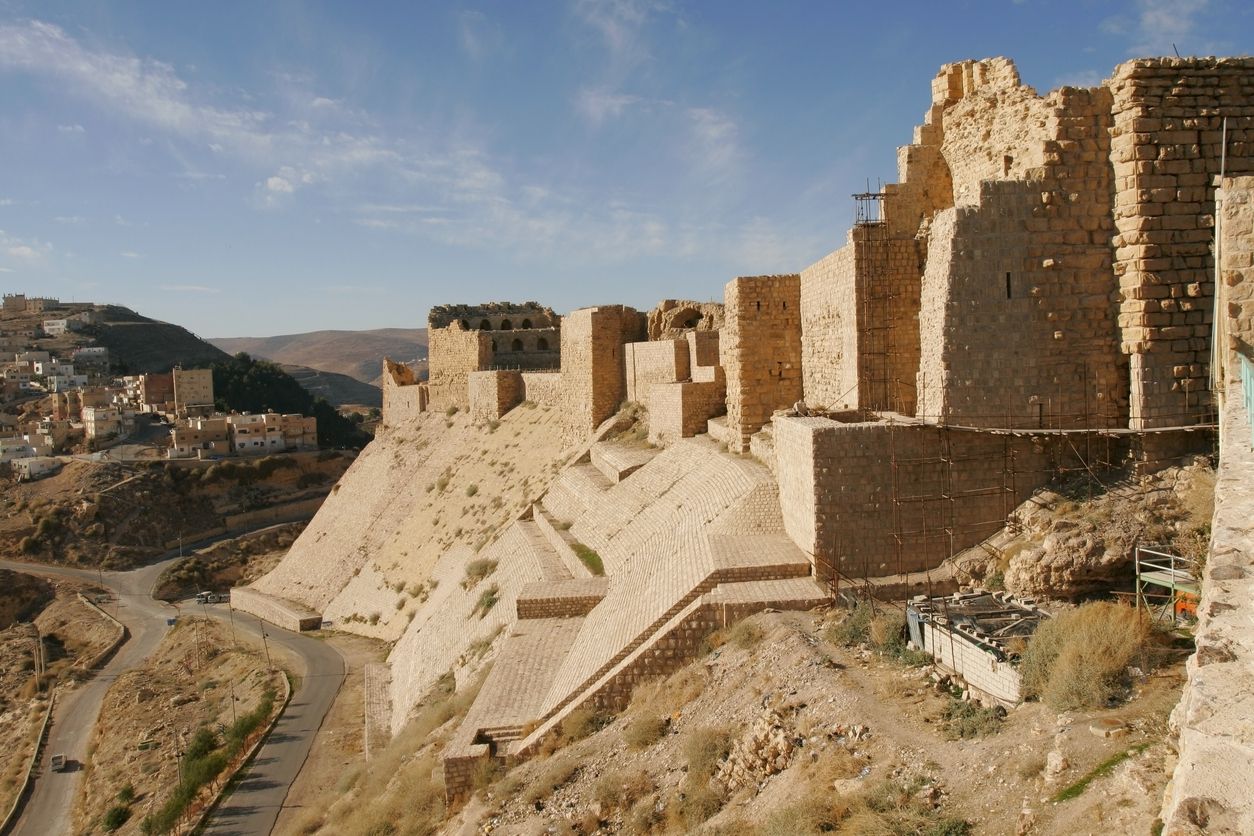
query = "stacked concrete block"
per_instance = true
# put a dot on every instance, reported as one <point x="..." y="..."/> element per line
<point x="760" y="351"/>
<point x="492" y="394"/>
<point x="1166" y="149"/>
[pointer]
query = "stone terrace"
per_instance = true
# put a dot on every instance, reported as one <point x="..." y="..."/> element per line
<point x="691" y="540"/>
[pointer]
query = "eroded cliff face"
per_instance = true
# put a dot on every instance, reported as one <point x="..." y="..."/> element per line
<point x="431" y="486"/>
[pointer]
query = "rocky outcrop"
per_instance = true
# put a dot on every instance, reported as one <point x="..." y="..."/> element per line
<point x="1069" y="548"/>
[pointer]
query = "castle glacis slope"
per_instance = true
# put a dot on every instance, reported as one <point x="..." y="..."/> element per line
<point x="1036" y="293"/>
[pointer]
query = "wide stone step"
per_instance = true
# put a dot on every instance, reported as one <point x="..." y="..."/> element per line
<point x="617" y="460"/>
<point x="541" y="551"/>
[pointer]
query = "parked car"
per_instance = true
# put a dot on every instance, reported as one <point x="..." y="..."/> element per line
<point x="59" y="763"/>
<point x="211" y="597"/>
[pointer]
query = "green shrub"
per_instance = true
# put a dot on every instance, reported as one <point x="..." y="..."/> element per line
<point x="705" y="748"/>
<point x="126" y="795"/>
<point x="963" y="719"/>
<point x="116" y="816"/>
<point x="471" y="490"/>
<point x="487" y="600"/>
<point x="589" y="558"/>
<point x="854" y="628"/>
<point x="1080" y="659"/>
<point x="746" y="635"/>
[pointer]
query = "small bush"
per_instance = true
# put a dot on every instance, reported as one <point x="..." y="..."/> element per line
<point x="582" y="722"/>
<point x="964" y="719"/>
<point x="1080" y="659"/>
<point x="115" y="817"/>
<point x="471" y="490"/>
<point x="589" y="558"/>
<point x="441" y="483"/>
<point x="643" y="732"/>
<point x="555" y="774"/>
<point x="619" y="790"/>
<point x="705" y="748"/>
<point x="487" y="600"/>
<point x="696" y="802"/>
<point x="746" y="635"/>
<point x="126" y="795"/>
<point x="374" y="618"/>
<point x="451" y="411"/>
<point x="477" y="570"/>
<point x="854" y="628"/>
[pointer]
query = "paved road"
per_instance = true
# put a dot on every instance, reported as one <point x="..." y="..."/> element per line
<point x="254" y="805"/>
<point x="260" y="789"/>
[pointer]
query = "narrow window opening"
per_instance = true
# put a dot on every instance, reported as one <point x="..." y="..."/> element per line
<point x="516" y="345"/>
<point x="1007" y="285"/>
<point x="759" y="304"/>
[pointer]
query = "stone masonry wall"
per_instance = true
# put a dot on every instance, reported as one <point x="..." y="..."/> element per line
<point x="1165" y="151"/>
<point x="543" y="388"/>
<point x="453" y="353"/>
<point x="492" y="394"/>
<point x="1017" y="318"/>
<point x="682" y="410"/>
<point x="849" y="490"/>
<point x="403" y="396"/>
<point x="829" y="344"/>
<point x="659" y="361"/>
<point x="760" y="351"/>
<point x="1237" y="269"/>
<point x="593" y="373"/>
<point x="981" y="670"/>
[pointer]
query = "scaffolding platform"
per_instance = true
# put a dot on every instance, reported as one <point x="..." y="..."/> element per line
<point x="1166" y="584"/>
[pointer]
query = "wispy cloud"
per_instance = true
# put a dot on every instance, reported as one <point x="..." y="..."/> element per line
<point x="714" y="141"/>
<point x="188" y="288"/>
<point x="620" y="23"/>
<point x="6" y="269"/>
<point x="71" y="129"/>
<point x="480" y="37"/>
<point x="6" y="201"/>
<point x="130" y="254"/>
<point x="69" y="220"/>
<point x="30" y="250"/>
<point x="599" y="104"/>
<point x="1159" y="27"/>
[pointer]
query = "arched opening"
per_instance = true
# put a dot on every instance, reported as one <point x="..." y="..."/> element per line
<point x="526" y="323"/>
<point x="485" y="326"/>
<point x="465" y="325"/>
<point x="542" y="344"/>
<point x="494" y="345"/>
<point x="516" y="345"/>
<point x="506" y="325"/>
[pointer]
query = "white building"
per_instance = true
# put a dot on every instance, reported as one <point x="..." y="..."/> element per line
<point x="57" y="327"/>
<point x="46" y="368"/>
<point x="100" y="421"/>
<point x="19" y="447"/>
<point x="65" y="382"/>
<point x="35" y="467"/>
<point x="256" y="434"/>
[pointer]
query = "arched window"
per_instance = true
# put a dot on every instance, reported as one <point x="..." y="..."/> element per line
<point x="542" y="344"/>
<point x="465" y="325"/>
<point x="494" y="345"/>
<point x="516" y="345"/>
<point x="485" y="326"/>
<point x="526" y="323"/>
<point x="506" y="325"/>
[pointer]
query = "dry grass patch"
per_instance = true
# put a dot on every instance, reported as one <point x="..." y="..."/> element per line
<point x="1080" y="658"/>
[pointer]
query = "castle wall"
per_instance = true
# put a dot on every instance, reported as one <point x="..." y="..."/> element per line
<point x="403" y="396"/>
<point x="535" y="348"/>
<point x="682" y="410"/>
<point x="593" y="372"/>
<point x="829" y="343"/>
<point x="1016" y="321"/>
<point x="492" y="394"/>
<point x="452" y="354"/>
<point x="660" y="361"/>
<point x="1165" y="150"/>
<point x="760" y="351"/>
<point x="702" y="348"/>
<point x="543" y="388"/>
<point x="849" y="490"/>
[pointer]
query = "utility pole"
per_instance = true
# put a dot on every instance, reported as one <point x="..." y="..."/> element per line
<point x="269" y="664"/>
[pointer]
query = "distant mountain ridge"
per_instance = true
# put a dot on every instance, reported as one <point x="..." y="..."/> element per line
<point x="357" y="354"/>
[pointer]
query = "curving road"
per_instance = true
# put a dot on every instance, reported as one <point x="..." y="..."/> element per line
<point x="258" y="796"/>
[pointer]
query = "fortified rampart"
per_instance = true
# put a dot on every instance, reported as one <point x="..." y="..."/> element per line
<point x="760" y="351"/>
<point x="498" y="335"/>
<point x="403" y="396"/>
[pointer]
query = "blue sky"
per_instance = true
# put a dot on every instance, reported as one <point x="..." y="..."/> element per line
<point x="249" y="168"/>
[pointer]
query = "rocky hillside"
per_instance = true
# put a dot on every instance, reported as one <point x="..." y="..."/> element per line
<point x="337" y="389"/>
<point x="139" y="344"/>
<point x="357" y="354"/>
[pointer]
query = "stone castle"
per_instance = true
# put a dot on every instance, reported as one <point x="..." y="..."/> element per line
<point x="1037" y="293"/>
